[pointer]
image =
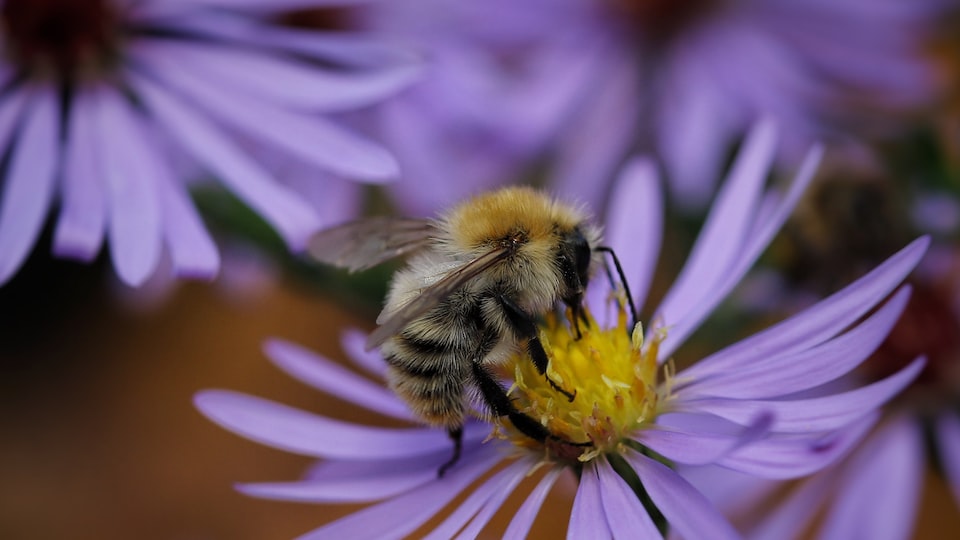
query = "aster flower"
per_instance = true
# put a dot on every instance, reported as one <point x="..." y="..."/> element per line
<point x="107" y="102"/>
<point x="739" y="407"/>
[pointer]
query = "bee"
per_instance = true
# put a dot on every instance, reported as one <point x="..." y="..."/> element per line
<point x="477" y="280"/>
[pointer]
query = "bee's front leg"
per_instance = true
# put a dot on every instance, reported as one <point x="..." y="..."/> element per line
<point x="524" y="327"/>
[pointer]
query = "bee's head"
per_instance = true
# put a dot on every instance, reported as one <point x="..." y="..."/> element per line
<point x="574" y="261"/>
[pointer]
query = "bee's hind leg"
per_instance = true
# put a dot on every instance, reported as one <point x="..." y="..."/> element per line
<point x="456" y="435"/>
<point x="524" y="327"/>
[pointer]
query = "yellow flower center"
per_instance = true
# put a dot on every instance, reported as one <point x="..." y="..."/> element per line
<point x="612" y="372"/>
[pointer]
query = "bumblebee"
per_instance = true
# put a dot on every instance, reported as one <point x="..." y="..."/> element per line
<point x="477" y="280"/>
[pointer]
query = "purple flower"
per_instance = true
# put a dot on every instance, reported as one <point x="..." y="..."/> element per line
<point x="739" y="407"/>
<point x="107" y="102"/>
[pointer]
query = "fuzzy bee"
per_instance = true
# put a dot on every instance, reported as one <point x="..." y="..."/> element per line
<point x="476" y="282"/>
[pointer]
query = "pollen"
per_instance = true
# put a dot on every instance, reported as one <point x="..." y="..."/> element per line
<point x="612" y="374"/>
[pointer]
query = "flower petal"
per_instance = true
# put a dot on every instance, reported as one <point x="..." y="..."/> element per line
<point x="792" y="456"/>
<point x="587" y="518"/>
<point x="695" y="448"/>
<point x="634" y="229"/>
<point x="283" y="81"/>
<point x="813" y="414"/>
<point x="789" y="519"/>
<point x="948" y="440"/>
<point x="29" y="183"/>
<point x="819" y="322"/>
<point x="134" y="225"/>
<point x="328" y="377"/>
<point x="472" y="530"/>
<point x="83" y="215"/>
<point x="354" y="343"/>
<point x="311" y="138"/>
<point x="686" y="509"/>
<point x="495" y="489"/>
<point x="882" y="486"/>
<point x="400" y="516"/>
<point x="350" y="481"/>
<point x="292" y="217"/>
<point x="301" y="432"/>
<point x="522" y="520"/>
<point x="626" y="515"/>
<point x="191" y="247"/>
<point x="779" y="375"/>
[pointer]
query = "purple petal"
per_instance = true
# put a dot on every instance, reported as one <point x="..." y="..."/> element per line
<point x="626" y="515"/>
<point x="472" y="530"/>
<point x="328" y="377"/>
<point x="634" y="228"/>
<point x="350" y="481"/>
<point x="789" y="519"/>
<point x="948" y="440"/>
<point x="724" y="232"/>
<point x="882" y="488"/>
<point x="777" y="375"/>
<point x="817" y="323"/>
<point x="698" y="448"/>
<point x="301" y="432"/>
<point x="400" y="516"/>
<point x="285" y="82"/>
<point x="83" y="215"/>
<point x="354" y="343"/>
<point x="311" y="138"/>
<point x="292" y="217"/>
<point x="813" y="414"/>
<point x="272" y="6"/>
<point x="495" y="489"/>
<point x="686" y="509"/>
<point x="587" y="518"/>
<point x="29" y="184"/>
<point x="522" y="520"/>
<point x="600" y="135"/>
<point x="792" y="456"/>
<point x="134" y="225"/>
<point x="191" y="247"/>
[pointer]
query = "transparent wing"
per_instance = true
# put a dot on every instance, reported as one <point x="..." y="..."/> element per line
<point x="433" y="295"/>
<point x="359" y="245"/>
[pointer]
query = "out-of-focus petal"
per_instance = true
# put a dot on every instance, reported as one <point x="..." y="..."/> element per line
<point x="724" y="231"/>
<point x="779" y="375"/>
<point x="191" y="247"/>
<point x="948" y="439"/>
<point x="292" y="217"/>
<point x="400" y="516"/>
<point x="134" y="227"/>
<point x="301" y="432"/>
<point x="686" y="509"/>
<point x="626" y="515"/>
<point x="29" y="184"/>
<point x="354" y="343"/>
<point x="523" y="518"/>
<point x="487" y="496"/>
<point x="634" y="229"/>
<point x="587" y="519"/>
<point x="813" y="414"/>
<point x="819" y="322"/>
<point x="881" y="486"/>
<point x="334" y="380"/>
<point x="313" y="139"/>
<point x="795" y="456"/>
<point x="789" y="519"/>
<point x="285" y="82"/>
<point x="83" y="214"/>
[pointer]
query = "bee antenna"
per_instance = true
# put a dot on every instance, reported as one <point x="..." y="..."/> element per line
<point x="623" y="280"/>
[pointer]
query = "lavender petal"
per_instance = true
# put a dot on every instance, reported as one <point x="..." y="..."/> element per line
<point x="332" y="379"/>
<point x="522" y="520"/>
<point x="686" y="509"/>
<point x="354" y="343"/>
<point x="697" y="448"/>
<point x="29" y="187"/>
<point x="626" y="515"/>
<point x="587" y="519"/>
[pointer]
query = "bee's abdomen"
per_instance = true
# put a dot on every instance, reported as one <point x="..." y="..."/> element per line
<point x="428" y="375"/>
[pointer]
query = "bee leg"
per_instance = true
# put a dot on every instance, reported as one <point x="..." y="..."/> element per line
<point x="456" y="435"/>
<point x="524" y="327"/>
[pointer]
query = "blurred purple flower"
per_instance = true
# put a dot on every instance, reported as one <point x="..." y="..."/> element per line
<point x="106" y="101"/>
<point x="738" y="407"/>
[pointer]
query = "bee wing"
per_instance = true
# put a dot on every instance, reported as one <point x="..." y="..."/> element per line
<point x="359" y="245"/>
<point x="434" y="294"/>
